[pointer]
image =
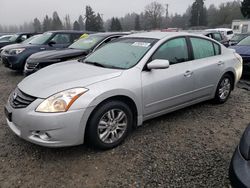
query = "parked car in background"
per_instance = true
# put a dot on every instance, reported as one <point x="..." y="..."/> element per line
<point x="80" y="48"/>
<point x="243" y="48"/>
<point x="216" y="35"/>
<point x="5" y="38"/>
<point x="237" y="38"/>
<point x="239" y="171"/>
<point x="228" y="33"/>
<point x="17" y="38"/>
<point x="15" y="57"/>
<point x="128" y="81"/>
<point x="24" y="42"/>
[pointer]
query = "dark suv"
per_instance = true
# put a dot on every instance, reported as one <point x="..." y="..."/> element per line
<point x="17" y="38"/>
<point x="15" y="57"/>
<point x="79" y="49"/>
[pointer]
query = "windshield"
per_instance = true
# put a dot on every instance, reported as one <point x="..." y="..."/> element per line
<point x="27" y="41"/>
<point x="238" y="37"/>
<point x="122" y="54"/>
<point x="87" y="43"/>
<point x="41" y="39"/>
<point x="13" y="38"/>
<point x="245" y="42"/>
<point x="5" y="38"/>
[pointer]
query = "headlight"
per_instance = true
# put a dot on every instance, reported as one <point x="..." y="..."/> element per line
<point x="16" y="51"/>
<point x="62" y="101"/>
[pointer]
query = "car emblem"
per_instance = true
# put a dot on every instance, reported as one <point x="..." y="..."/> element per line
<point x="14" y="95"/>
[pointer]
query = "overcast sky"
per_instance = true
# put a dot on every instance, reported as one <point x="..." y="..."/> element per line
<point x="19" y="11"/>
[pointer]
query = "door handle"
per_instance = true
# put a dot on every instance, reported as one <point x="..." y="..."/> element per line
<point x="220" y="63"/>
<point x="188" y="73"/>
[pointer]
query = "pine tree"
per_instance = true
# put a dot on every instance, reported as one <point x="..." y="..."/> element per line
<point x="37" y="25"/>
<point x="56" y="22"/>
<point x="245" y="8"/>
<point x="198" y="14"/>
<point x="81" y="22"/>
<point x="115" y="25"/>
<point x="137" y="23"/>
<point x="46" y="23"/>
<point x="67" y="22"/>
<point x="99" y="23"/>
<point x="90" y="19"/>
<point x="76" y="26"/>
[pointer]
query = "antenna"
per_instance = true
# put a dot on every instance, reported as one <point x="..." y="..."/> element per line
<point x="167" y="13"/>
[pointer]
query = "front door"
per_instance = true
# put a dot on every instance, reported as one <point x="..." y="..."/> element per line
<point x="166" y="89"/>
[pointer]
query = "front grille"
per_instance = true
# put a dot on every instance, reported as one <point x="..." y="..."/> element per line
<point x="19" y="99"/>
<point x="32" y="65"/>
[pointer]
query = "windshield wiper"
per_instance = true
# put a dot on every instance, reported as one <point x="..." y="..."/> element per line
<point x="94" y="63"/>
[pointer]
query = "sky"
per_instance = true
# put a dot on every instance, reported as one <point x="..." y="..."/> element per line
<point x="20" y="11"/>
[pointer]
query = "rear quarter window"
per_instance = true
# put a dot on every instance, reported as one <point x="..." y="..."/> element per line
<point x="217" y="49"/>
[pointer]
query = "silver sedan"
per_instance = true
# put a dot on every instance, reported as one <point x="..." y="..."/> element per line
<point x="135" y="78"/>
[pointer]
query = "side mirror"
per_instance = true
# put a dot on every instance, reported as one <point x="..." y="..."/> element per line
<point x="51" y="43"/>
<point x="158" y="64"/>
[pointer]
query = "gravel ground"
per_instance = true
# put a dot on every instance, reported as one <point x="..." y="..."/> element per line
<point x="188" y="148"/>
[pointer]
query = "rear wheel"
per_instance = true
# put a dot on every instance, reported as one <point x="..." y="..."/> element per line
<point x="109" y="125"/>
<point x="224" y="89"/>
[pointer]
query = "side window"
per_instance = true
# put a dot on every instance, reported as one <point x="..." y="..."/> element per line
<point x="217" y="49"/>
<point x="209" y="35"/>
<point x="217" y="37"/>
<point x="175" y="51"/>
<point x="23" y="37"/>
<point x="202" y="48"/>
<point x="61" y="39"/>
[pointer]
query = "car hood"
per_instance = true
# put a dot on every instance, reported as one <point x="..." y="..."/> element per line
<point x="242" y="50"/>
<point x="63" y="76"/>
<point x="27" y="46"/>
<point x="11" y="46"/>
<point x="61" y="54"/>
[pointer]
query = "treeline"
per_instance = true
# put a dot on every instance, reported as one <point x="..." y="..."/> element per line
<point x="154" y="16"/>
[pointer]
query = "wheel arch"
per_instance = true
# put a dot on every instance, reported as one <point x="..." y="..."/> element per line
<point x="130" y="101"/>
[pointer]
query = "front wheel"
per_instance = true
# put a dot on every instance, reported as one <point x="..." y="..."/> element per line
<point x="224" y="89"/>
<point x="109" y="125"/>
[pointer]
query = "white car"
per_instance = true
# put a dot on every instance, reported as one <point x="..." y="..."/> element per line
<point x="126" y="82"/>
<point x="225" y="31"/>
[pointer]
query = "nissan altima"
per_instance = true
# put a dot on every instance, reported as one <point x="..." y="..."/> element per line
<point x="135" y="78"/>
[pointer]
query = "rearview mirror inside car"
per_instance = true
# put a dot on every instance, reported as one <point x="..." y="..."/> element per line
<point x="158" y="64"/>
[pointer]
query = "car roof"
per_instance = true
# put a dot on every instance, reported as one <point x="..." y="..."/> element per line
<point x="158" y="35"/>
<point x="69" y="31"/>
<point x="107" y="34"/>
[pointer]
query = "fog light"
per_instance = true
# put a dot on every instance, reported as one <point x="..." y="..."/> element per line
<point x="42" y="135"/>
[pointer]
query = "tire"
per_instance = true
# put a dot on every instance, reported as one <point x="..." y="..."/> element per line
<point x="109" y="125"/>
<point x="224" y="89"/>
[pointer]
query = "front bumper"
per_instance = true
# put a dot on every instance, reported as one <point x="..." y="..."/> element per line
<point x="239" y="171"/>
<point x="47" y="129"/>
<point x="15" y="62"/>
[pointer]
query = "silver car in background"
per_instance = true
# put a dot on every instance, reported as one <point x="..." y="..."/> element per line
<point x="138" y="77"/>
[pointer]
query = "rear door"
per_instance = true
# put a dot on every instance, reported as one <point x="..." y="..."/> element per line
<point x="207" y="66"/>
